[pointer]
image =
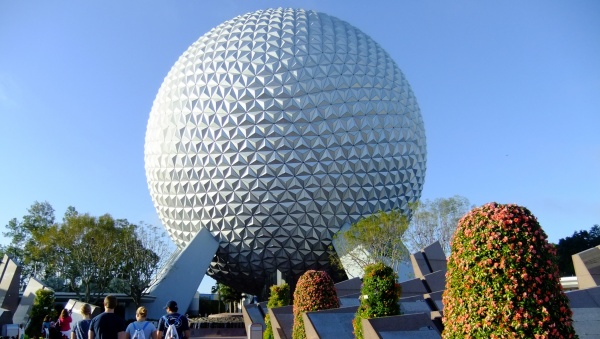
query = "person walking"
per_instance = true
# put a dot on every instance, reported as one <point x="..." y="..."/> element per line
<point x="46" y="326"/>
<point x="107" y="325"/>
<point x="173" y="318"/>
<point x="81" y="328"/>
<point x="141" y="325"/>
<point x="64" y="323"/>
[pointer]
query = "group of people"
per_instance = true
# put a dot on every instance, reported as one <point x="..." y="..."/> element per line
<point x="62" y="325"/>
<point x="109" y="325"/>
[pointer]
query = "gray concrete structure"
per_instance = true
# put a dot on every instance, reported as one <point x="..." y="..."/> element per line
<point x="585" y="305"/>
<point x="348" y="287"/>
<point x="350" y="300"/>
<point x="436" y="299"/>
<point x="587" y="267"/>
<point x="180" y="278"/>
<point x="330" y="324"/>
<point x="428" y="260"/>
<point x="414" y="304"/>
<point x="10" y="275"/>
<point x="21" y="315"/>
<point x="413" y="287"/>
<point x="436" y="258"/>
<point x="435" y="281"/>
<point x="282" y="321"/>
<point x="411" y="326"/>
<point x="254" y="314"/>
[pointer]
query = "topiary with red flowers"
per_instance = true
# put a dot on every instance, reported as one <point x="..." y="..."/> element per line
<point x="380" y="293"/>
<point x="314" y="292"/>
<point x="502" y="279"/>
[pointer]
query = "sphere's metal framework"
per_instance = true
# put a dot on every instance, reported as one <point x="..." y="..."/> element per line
<point x="273" y="131"/>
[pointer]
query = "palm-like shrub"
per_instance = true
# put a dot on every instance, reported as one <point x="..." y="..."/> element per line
<point x="380" y="293"/>
<point x="280" y="296"/>
<point x="503" y="280"/>
<point x="314" y="292"/>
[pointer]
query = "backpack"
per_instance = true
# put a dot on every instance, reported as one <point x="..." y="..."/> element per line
<point x="139" y="332"/>
<point x="171" y="329"/>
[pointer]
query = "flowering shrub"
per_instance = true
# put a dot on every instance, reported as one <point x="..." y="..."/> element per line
<point x="502" y="279"/>
<point x="280" y="296"/>
<point x="380" y="291"/>
<point x="314" y="292"/>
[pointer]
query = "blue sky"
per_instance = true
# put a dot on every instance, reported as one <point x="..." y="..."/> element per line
<point x="509" y="92"/>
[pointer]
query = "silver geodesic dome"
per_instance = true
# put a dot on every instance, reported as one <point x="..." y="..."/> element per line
<point x="273" y="131"/>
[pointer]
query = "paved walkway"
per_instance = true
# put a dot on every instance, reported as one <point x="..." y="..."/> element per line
<point x="223" y="334"/>
<point x="220" y="337"/>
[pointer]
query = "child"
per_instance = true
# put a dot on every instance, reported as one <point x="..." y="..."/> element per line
<point x="46" y="326"/>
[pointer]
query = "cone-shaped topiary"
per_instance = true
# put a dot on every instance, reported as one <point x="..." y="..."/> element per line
<point x="380" y="293"/>
<point x="314" y="292"/>
<point x="280" y="296"/>
<point x="502" y="279"/>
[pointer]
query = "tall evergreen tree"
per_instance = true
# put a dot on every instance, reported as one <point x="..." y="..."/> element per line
<point x="578" y="242"/>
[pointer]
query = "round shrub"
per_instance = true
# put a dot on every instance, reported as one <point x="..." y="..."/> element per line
<point x="43" y="305"/>
<point x="380" y="293"/>
<point x="314" y="292"/>
<point x="502" y="279"/>
<point x="280" y="296"/>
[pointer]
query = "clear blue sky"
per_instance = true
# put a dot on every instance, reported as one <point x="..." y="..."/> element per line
<point x="509" y="92"/>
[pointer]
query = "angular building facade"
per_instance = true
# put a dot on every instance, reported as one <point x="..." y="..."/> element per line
<point x="273" y="131"/>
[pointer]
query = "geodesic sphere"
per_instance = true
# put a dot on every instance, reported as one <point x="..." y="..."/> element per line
<point x="273" y="131"/>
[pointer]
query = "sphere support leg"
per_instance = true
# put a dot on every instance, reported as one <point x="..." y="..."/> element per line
<point x="180" y="277"/>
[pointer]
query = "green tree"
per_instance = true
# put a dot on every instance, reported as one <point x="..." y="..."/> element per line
<point x="380" y="294"/>
<point x="435" y="221"/>
<point x="43" y="305"/>
<point x="22" y="234"/>
<point x="315" y="291"/>
<point x="86" y="252"/>
<point x="502" y="279"/>
<point x="228" y="295"/>
<point x="376" y="238"/>
<point x="280" y="296"/>
<point x="578" y="242"/>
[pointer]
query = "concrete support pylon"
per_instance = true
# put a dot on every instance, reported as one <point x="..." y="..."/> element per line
<point x="181" y="276"/>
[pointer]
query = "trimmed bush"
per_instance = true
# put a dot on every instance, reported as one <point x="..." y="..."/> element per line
<point x="280" y="296"/>
<point x="314" y="292"/>
<point x="43" y="305"/>
<point x="503" y="279"/>
<point x="380" y="293"/>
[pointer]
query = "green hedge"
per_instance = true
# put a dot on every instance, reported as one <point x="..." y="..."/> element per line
<point x="280" y="296"/>
<point x="43" y="305"/>
<point x="380" y="293"/>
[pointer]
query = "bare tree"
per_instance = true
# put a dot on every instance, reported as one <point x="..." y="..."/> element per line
<point x="435" y="221"/>
<point x="145" y="253"/>
<point x="376" y="238"/>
